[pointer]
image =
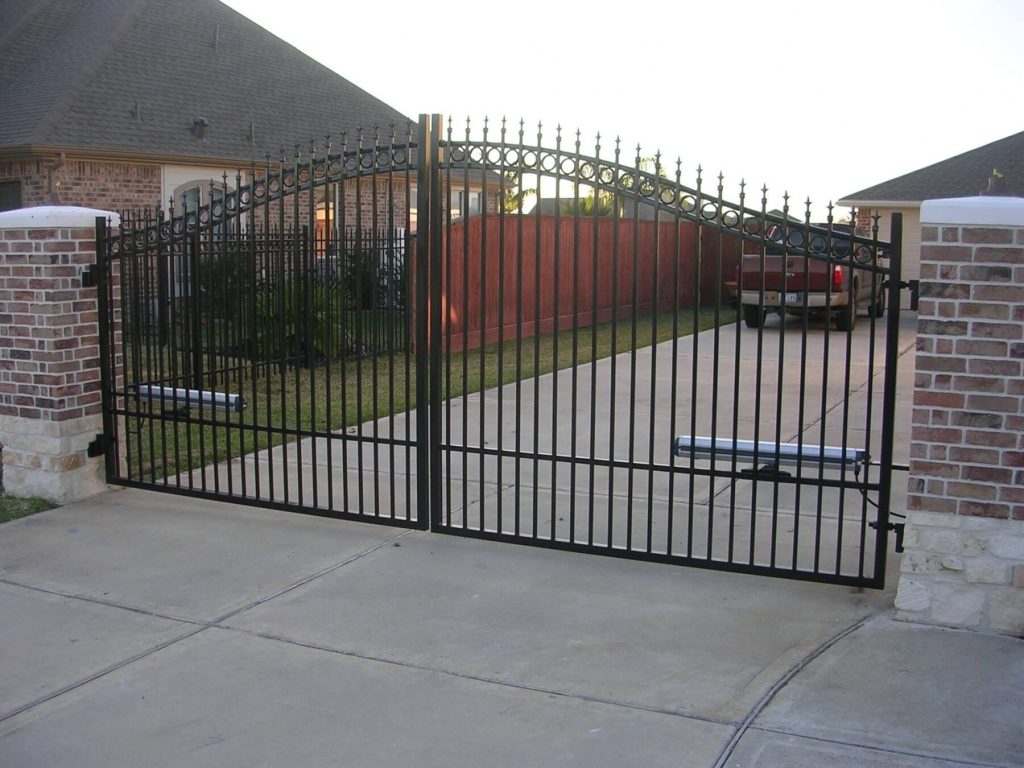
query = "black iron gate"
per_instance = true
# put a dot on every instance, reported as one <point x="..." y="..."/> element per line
<point x="393" y="331"/>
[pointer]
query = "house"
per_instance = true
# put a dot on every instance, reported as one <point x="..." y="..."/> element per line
<point x="965" y="175"/>
<point x="127" y="104"/>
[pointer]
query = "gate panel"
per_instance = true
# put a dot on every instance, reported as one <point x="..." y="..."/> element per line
<point x="265" y="341"/>
<point x="604" y="389"/>
<point x="630" y="366"/>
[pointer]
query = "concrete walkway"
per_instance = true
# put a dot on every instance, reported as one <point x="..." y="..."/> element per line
<point x="144" y="629"/>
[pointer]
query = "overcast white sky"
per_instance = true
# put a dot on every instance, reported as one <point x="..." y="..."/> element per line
<point x="819" y="98"/>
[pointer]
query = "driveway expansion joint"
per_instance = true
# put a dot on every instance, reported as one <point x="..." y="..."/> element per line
<point x="477" y="678"/>
<point x="197" y="625"/>
<point x="782" y="682"/>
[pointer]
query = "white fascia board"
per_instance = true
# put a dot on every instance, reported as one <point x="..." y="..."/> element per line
<point x="879" y="203"/>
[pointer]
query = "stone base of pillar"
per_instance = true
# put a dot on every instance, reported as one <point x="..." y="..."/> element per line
<point x="49" y="459"/>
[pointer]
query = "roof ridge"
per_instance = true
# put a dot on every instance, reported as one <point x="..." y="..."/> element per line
<point x="70" y="93"/>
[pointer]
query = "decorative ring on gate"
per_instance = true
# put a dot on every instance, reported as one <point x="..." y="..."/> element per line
<point x="319" y="169"/>
<point x="140" y="240"/>
<point x="232" y="201"/>
<point x="818" y="243"/>
<point x="178" y="226"/>
<point x="688" y="203"/>
<point x="841" y="249"/>
<point x="115" y="247"/>
<point x="530" y="158"/>
<point x="289" y="180"/>
<point x="863" y="254"/>
<point x="218" y="210"/>
<point x="568" y="166"/>
<point x="646" y="187"/>
<point x="400" y="154"/>
<point x="494" y="156"/>
<point x="587" y="171"/>
<point x="457" y="154"/>
<point x="304" y="176"/>
<point x="274" y="186"/>
<point x="335" y="167"/>
<point x="204" y="216"/>
<point x="245" y="196"/>
<point x="512" y="157"/>
<point x="259" y="190"/>
<point x="548" y="162"/>
<point x="151" y="235"/>
<point x="383" y="158"/>
<point x="190" y="221"/>
<point x="668" y="195"/>
<point x="607" y="176"/>
<point x="709" y="211"/>
<point x="626" y="182"/>
<point x="366" y="160"/>
<point x="351" y="163"/>
<point x="476" y="155"/>
<point x="752" y="226"/>
<point x="165" y="231"/>
<point x="730" y="219"/>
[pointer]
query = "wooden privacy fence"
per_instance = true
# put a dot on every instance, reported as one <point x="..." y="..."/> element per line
<point x="516" y="275"/>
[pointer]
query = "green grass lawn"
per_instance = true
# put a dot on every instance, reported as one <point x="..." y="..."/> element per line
<point x="12" y="508"/>
<point x="336" y="395"/>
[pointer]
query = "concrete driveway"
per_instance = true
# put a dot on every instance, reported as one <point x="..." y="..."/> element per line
<point x="144" y="629"/>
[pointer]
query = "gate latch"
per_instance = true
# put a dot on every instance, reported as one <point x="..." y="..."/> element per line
<point x="899" y="528"/>
<point x="915" y="291"/>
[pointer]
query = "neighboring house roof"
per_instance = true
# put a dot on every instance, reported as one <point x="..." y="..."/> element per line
<point x="965" y="175"/>
<point x="131" y="76"/>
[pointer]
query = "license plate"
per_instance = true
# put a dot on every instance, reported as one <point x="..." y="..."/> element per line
<point x="794" y="298"/>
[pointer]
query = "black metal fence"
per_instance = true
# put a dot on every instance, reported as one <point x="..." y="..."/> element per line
<point x="386" y="333"/>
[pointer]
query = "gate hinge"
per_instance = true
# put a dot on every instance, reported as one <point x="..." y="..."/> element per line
<point x="899" y="528"/>
<point x="89" y="277"/>
<point x="98" y="447"/>
<point x="915" y="291"/>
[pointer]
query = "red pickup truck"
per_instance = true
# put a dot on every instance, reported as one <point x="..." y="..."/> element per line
<point x="792" y="278"/>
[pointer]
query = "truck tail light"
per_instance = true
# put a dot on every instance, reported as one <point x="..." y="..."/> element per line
<point x="837" y="278"/>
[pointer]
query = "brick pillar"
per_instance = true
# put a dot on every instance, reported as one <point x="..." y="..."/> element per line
<point x="964" y="559"/>
<point x="50" y="407"/>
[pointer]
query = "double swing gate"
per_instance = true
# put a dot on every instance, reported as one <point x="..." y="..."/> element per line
<point x="500" y="338"/>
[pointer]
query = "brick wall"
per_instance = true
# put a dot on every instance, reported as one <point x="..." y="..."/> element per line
<point x="85" y="183"/>
<point x="964" y="563"/>
<point x="50" y="403"/>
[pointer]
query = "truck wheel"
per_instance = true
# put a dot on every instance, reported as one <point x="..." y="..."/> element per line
<point x="753" y="315"/>
<point x="878" y="306"/>
<point x="846" y="317"/>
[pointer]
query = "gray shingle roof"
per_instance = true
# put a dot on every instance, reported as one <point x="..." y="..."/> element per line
<point x="73" y="71"/>
<point x="962" y="176"/>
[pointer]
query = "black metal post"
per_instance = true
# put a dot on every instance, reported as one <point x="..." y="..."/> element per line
<point x="435" y="246"/>
<point x="892" y="351"/>
<point x="107" y="372"/>
<point x="424" y="144"/>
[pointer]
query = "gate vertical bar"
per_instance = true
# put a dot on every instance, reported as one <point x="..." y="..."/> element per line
<point x="892" y="350"/>
<point x="425" y="169"/>
<point x="108" y="370"/>
<point x="434" y="307"/>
